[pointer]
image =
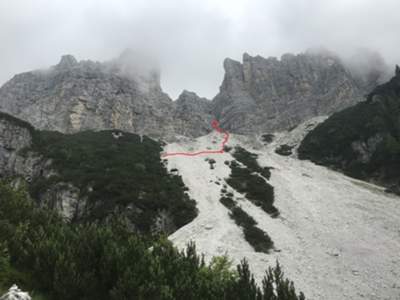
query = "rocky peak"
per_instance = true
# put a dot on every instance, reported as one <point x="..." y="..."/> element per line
<point x="233" y="78"/>
<point x="90" y="95"/>
<point x="67" y="62"/>
<point x="257" y="95"/>
<point x="191" y="98"/>
<point x="397" y="71"/>
<point x="193" y="114"/>
<point x="264" y="94"/>
<point x="187" y="95"/>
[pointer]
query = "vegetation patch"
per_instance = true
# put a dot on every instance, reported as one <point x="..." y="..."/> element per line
<point x="227" y="148"/>
<point x="228" y="202"/>
<point x="363" y="140"/>
<point x="258" y="239"/>
<point x="114" y="173"/>
<point x="255" y="188"/>
<point x="40" y="252"/>
<point x="267" y="138"/>
<point x="284" y="150"/>
<point x="250" y="161"/>
<point x="242" y="218"/>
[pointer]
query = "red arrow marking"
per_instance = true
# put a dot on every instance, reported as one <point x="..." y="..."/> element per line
<point x="215" y="125"/>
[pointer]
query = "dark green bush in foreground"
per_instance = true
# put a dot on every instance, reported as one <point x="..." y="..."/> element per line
<point x="38" y="251"/>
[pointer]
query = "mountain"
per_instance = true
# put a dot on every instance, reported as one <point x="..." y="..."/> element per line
<point x="74" y="96"/>
<point x="263" y="95"/>
<point x="362" y="140"/>
<point x="85" y="192"/>
<point x="257" y="96"/>
<point x="193" y="115"/>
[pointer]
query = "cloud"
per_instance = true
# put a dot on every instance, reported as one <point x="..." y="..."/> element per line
<point x="190" y="38"/>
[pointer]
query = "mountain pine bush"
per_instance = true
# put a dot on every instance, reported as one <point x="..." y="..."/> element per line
<point x="96" y="261"/>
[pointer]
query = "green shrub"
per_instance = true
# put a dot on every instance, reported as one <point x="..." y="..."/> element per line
<point x="227" y="202"/>
<point x="284" y="150"/>
<point x="89" y="261"/>
<point x="250" y="161"/>
<point x="120" y="172"/>
<point x="241" y="218"/>
<point x="374" y="121"/>
<point x="267" y="138"/>
<point x="255" y="188"/>
<point x="258" y="239"/>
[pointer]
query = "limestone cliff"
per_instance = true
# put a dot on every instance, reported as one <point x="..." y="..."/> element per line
<point x="257" y="95"/>
<point x="193" y="115"/>
<point x="74" y="96"/>
<point x="260" y="95"/>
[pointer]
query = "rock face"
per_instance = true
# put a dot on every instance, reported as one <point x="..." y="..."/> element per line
<point x="17" y="164"/>
<point x="362" y="140"/>
<point x="256" y="96"/>
<point x="14" y="137"/>
<point x="14" y="293"/>
<point x="262" y="95"/>
<point x="193" y="115"/>
<point x="74" y="96"/>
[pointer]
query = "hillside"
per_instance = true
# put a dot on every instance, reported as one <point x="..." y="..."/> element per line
<point x="90" y="176"/>
<point x="55" y="260"/>
<point x="363" y="141"/>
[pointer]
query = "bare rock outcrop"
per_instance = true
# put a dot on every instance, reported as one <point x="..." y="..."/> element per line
<point x="74" y="96"/>
<point x="193" y="115"/>
<point x="14" y="293"/>
<point x="260" y="95"/>
<point x="19" y="164"/>
<point x="257" y="95"/>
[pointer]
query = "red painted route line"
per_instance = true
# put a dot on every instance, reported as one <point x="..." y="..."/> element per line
<point x="215" y="125"/>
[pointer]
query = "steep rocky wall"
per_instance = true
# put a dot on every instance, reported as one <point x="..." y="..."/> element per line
<point x="260" y="95"/>
<point x="72" y="96"/>
<point x="257" y="95"/>
<point x="19" y="164"/>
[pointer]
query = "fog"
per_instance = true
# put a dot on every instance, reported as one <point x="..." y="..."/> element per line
<point x="190" y="38"/>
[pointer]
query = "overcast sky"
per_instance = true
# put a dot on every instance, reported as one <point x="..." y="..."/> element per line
<point x="190" y="38"/>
